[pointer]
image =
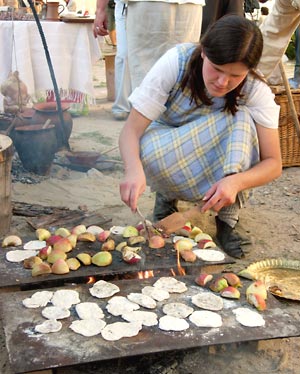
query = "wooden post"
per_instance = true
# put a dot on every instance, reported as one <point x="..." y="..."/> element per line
<point x="110" y="76"/>
<point x="6" y="153"/>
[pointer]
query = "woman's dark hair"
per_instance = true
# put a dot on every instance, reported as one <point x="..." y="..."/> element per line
<point x="230" y="39"/>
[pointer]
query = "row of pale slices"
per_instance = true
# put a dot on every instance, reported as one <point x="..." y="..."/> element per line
<point x="91" y="316"/>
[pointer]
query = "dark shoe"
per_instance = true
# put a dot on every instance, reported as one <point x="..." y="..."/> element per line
<point x="228" y="239"/>
<point x="163" y="207"/>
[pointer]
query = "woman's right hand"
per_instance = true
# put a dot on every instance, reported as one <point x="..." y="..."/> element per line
<point x="134" y="181"/>
<point x="132" y="186"/>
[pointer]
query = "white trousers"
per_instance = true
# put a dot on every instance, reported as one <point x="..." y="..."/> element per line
<point x="277" y="30"/>
<point x="122" y="78"/>
<point x="154" y="27"/>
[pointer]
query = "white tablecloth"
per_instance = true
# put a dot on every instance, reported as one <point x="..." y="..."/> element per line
<point x="73" y="51"/>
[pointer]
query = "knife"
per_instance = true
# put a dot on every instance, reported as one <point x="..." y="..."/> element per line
<point x="144" y="223"/>
<point x="177" y="220"/>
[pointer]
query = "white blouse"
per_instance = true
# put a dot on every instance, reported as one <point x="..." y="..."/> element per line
<point x="150" y="97"/>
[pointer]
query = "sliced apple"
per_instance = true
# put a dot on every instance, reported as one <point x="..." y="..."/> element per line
<point x="62" y="231"/>
<point x="79" y="229"/>
<point x="41" y="269"/>
<point x="60" y="267"/>
<point x="86" y="237"/>
<point x="55" y="255"/>
<point x="202" y="236"/>
<point x="42" y="234"/>
<point x="103" y="258"/>
<point x="11" y="241"/>
<point x="206" y="243"/>
<point x="64" y="245"/>
<point x="84" y="258"/>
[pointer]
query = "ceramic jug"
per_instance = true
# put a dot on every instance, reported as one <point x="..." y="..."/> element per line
<point x="54" y="8"/>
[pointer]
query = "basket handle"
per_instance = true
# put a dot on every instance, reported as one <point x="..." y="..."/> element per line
<point x="290" y="99"/>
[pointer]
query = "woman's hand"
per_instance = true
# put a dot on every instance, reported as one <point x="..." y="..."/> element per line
<point x="101" y="23"/>
<point x="223" y="193"/>
<point x="132" y="186"/>
<point x="134" y="181"/>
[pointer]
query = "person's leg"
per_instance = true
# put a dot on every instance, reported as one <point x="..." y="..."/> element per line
<point x="163" y="207"/>
<point x="277" y="30"/>
<point x="121" y="106"/>
<point x="226" y="221"/>
<point x="155" y="27"/>
<point x="295" y="81"/>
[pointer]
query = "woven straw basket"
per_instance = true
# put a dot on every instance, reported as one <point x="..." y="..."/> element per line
<point x="289" y="141"/>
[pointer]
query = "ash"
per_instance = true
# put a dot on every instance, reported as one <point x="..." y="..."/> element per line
<point x="19" y="174"/>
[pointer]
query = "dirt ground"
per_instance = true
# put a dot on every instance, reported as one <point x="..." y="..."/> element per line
<point x="270" y="219"/>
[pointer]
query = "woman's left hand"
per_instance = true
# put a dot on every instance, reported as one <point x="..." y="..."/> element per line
<point x="222" y="193"/>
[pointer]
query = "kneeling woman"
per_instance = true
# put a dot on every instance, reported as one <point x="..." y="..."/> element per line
<point x="203" y="127"/>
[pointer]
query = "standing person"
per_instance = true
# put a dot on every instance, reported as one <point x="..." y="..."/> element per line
<point x="121" y="106"/>
<point x="277" y="30"/>
<point x="215" y="9"/>
<point x="203" y="127"/>
<point x="111" y="22"/>
<point x="295" y="81"/>
<point x="155" y="26"/>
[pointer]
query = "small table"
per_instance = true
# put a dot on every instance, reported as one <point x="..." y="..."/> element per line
<point x="73" y="50"/>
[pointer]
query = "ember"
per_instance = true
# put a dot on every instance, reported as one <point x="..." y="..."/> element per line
<point x="145" y="274"/>
<point x="91" y="280"/>
<point x="181" y="270"/>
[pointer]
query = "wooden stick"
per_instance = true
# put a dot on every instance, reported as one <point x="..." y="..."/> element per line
<point x="109" y="150"/>
<point x="290" y="99"/>
<point x="46" y="124"/>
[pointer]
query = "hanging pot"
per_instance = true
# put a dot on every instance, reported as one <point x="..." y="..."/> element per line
<point x="36" y="147"/>
<point x="48" y="110"/>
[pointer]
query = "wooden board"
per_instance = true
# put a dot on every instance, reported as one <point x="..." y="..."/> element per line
<point x="14" y="274"/>
<point x="77" y="19"/>
<point x="65" y="348"/>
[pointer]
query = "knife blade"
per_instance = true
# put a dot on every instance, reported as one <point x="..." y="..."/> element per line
<point x="177" y="220"/>
<point x="144" y="223"/>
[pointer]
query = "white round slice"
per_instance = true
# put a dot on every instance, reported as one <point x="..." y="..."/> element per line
<point x="38" y="299"/>
<point x="206" y="318"/>
<point x="208" y="301"/>
<point x="50" y="325"/>
<point x="170" y="284"/>
<point x="117" y="230"/>
<point x="209" y="255"/>
<point x="35" y="245"/>
<point x="178" y="237"/>
<point x="88" y="310"/>
<point x="170" y="323"/>
<point x="96" y="230"/>
<point x="65" y="298"/>
<point x="103" y="289"/>
<point x="156" y="293"/>
<point x="55" y="312"/>
<point x="119" y="305"/>
<point x="144" y="317"/>
<point x="88" y="327"/>
<point x="19" y="255"/>
<point x="179" y="310"/>
<point x="119" y="330"/>
<point x="142" y="300"/>
<point x="248" y="317"/>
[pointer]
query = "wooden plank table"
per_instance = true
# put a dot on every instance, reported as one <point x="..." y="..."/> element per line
<point x="65" y="348"/>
